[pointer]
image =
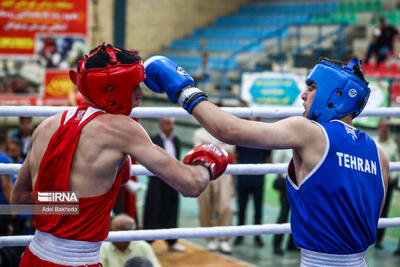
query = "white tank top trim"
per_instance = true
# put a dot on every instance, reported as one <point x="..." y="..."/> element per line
<point x="317" y="259"/>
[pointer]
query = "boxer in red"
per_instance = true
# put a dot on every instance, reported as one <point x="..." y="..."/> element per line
<point x="86" y="150"/>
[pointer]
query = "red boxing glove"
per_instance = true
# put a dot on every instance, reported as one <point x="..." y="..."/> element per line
<point x="214" y="158"/>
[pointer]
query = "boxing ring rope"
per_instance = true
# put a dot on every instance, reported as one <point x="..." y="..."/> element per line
<point x="234" y="169"/>
<point x="195" y="232"/>
<point x="160" y="112"/>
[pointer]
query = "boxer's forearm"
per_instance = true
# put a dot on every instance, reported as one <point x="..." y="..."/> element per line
<point x="219" y="123"/>
<point x="289" y="133"/>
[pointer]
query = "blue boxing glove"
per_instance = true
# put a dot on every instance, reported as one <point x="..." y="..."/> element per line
<point x="164" y="75"/>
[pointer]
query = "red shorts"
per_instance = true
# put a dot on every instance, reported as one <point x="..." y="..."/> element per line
<point x="31" y="260"/>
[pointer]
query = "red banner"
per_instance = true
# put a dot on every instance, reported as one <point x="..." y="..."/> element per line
<point x="14" y="100"/>
<point x="22" y="21"/>
<point x="40" y="41"/>
<point x="57" y="83"/>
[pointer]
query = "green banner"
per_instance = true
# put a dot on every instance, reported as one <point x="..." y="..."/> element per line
<point x="272" y="88"/>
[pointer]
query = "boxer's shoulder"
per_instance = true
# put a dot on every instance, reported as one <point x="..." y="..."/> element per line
<point x="113" y="130"/>
<point x="52" y="121"/>
<point x="110" y="123"/>
<point x="47" y="127"/>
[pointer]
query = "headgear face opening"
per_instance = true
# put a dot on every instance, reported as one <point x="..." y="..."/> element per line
<point x="339" y="91"/>
<point x="107" y="77"/>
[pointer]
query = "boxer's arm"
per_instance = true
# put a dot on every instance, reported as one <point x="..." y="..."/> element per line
<point x="164" y="75"/>
<point x="294" y="132"/>
<point x="132" y="139"/>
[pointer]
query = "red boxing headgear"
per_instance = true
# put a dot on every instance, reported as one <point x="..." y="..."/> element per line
<point x="108" y="76"/>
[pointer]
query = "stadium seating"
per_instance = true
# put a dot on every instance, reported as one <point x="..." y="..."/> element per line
<point x="186" y="44"/>
<point x="395" y="93"/>
<point x="192" y="62"/>
<point x="393" y="70"/>
<point x="258" y="24"/>
<point x="245" y="31"/>
<point x="263" y="20"/>
<point x="360" y="6"/>
<point x="217" y="45"/>
<point x="383" y="70"/>
<point x="393" y="17"/>
<point x="346" y="12"/>
<point x="291" y="8"/>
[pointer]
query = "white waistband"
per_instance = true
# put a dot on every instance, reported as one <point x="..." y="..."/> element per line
<point x="316" y="259"/>
<point x="64" y="251"/>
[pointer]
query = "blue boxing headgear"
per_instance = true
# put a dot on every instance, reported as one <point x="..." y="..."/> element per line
<point x="339" y="91"/>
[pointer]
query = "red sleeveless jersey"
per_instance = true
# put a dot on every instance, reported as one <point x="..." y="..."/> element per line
<point x="93" y="221"/>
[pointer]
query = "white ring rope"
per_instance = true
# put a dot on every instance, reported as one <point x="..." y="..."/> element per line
<point x="160" y="112"/>
<point x="196" y="232"/>
<point x="234" y="169"/>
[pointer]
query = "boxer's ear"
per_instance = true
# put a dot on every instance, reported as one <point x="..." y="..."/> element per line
<point x="73" y="76"/>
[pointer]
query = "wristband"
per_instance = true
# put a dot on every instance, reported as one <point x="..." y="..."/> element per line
<point x="206" y="165"/>
<point x="190" y="96"/>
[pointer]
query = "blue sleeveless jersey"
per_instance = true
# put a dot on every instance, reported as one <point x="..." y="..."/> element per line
<point x="336" y="208"/>
<point x="4" y="158"/>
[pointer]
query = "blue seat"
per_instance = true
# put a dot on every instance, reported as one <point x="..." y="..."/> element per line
<point x="255" y="20"/>
<point x="183" y="44"/>
<point x="223" y="63"/>
<point x="186" y="61"/>
<point x="191" y="71"/>
<point x="289" y="8"/>
<point x="218" y="45"/>
<point x="241" y="32"/>
<point x="192" y="62"/>
<point x="234" y="32"/>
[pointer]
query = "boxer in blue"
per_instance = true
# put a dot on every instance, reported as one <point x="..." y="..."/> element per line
<point x="337" y="177"/>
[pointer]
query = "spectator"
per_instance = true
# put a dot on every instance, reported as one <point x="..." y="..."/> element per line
<point x="138" y="262"/>
<point x="382" y="41"/>
<point x="49" y="52"/>
<point x="250" y="185"/>
<point x="8" y="256"/>
<point x="22" y="224"/>
<point x="391" y="151"/>
<point x="203" y="73"/>
<point x="5" y="184"/>
<point x="243" y="104"/>
<point x="14" y="150"/>
<point x="117" y="253"/>
<point x="282" y="156"/>
<point x="162" y="201"/>
<point x="24" y="134"/>
<point x="215" y="201"/>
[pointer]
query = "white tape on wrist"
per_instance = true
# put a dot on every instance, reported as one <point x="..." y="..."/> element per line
<point x="187" y="93"/>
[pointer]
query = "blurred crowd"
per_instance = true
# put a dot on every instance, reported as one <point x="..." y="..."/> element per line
<point x="21" y="76"/>
<point x="13" y="149"/>
<point x="61" y="52"/>
<point x="382" y="43"/>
